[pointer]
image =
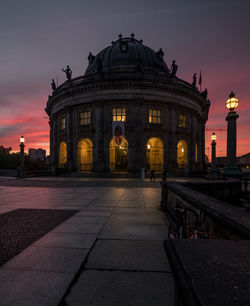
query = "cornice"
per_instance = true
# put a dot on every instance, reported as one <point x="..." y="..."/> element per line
<point x="177" y="86"/>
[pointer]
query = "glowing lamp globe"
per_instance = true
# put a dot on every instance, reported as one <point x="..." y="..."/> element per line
<point x="232" y="102"/>
<point x="22" y="139"/>
<point x="213" y="136"/>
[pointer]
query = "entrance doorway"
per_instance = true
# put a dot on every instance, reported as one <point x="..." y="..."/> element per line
<point x="118" y="157"/>
<point x="155" y="156"/>
<point x="85" y="155"/>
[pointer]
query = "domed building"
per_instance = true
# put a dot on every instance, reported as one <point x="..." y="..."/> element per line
<point x="127" y="112"/>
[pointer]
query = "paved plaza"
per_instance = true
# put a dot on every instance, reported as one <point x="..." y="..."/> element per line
<point x="110" y="252"/>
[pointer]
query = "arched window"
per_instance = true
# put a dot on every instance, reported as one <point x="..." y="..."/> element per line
<point x="62" y="154"/>
<point x="182" y="154"/>
<point x="154" y="154"/>
<point x="85" y="155"/>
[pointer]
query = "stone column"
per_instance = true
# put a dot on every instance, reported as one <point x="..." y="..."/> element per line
<point x="172" y="144"/>
<point x="213" y="158"/>
<point x="231" y="168"/>
<point x="203" y="144"/>
<point x="74" y="140"/>
<point x="137" y="150"/>
<point x="107" y="117"/>
<point x="98" y="150"/>
<point x="53" y="144"/>
<point x="199" y="149"/>
<point x="70" y="139"/>
<point x="192" y="143"/>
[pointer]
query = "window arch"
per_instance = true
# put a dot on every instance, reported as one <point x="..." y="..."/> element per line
<point x="85" y="154"/>
<point x="182" y="154"/>
<point x="62" y="154"/>
<point x="154" y="154"/>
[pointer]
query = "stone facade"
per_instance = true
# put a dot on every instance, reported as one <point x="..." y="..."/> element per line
<point x="114" y="80"/>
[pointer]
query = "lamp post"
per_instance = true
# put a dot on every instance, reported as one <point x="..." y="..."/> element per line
<point x="148" y="152"/>
<point x="231" y="168"/>
<point x="21" y="166"/>
<point x="213" y="154"/>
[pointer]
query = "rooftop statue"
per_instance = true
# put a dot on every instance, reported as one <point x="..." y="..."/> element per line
<point x="194" y="80"/>
<point x="91" y="58"/>
<point x="174" y="68"/>
<point x="204" y="94"/>
<point x="53" y="85"/>
<point x="68" y="72"/>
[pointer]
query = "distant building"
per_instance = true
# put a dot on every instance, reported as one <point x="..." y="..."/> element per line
<point x="4" y="150"/>
<point x="37" y="153"/>
<point x="245" y="160"/>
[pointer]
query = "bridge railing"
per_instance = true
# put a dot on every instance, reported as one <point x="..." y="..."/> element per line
<point x="192" y="209"/>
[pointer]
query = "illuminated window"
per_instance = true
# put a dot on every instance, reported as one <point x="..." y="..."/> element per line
<point x="182" y="121"/>
<point x="85" y="118"/>
<point x="119" y="114"/>
<point x="154" y="116"/>
<point x="63" y="123"/>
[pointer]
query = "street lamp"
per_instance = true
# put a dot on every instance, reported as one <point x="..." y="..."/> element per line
<point x="231" y="168"/>
<point x="148" y="152"/>
<point x="21" y="167"/>
<point x="232" y="103"/>
<point x="213" y="168"/>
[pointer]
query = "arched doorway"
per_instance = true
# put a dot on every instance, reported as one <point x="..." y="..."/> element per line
<point x="62" y="154"/>
<point x="118" y="157"/>
<point x="155" y="156"/>
<point x="182" y="154"/>
<point x="85" y="154"/>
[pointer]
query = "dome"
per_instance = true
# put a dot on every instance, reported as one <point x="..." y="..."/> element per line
<point x="127" y="56"/>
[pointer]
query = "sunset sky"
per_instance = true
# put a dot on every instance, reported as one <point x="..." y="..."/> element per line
<point x="38" y="38"/>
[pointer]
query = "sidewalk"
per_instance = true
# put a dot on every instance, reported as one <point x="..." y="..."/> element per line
<point x="110" y="252"/>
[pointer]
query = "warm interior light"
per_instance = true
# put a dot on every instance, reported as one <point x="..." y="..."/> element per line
<point x="232" y="102"/>
<point x="22" y="139"/>
<point x="213" y="136"/>
<point x="148" y="146"/>
<point x="182" y="150"/>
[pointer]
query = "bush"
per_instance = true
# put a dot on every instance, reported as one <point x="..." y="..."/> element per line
<point x="12" y="161"/>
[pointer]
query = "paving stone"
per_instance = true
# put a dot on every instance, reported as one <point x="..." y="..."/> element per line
<point x="140" y="218"/>
<point x="123" y="230"/>
<point x="104" y="203"/>
<point x="84" y="228"/>
<point x="48" y="259"/>
<point x="124" y="203"/>
<point x="94" y="214"/>
<point x="66" y="240"/>
<point x="137" y="210"/>
<point x="128" y="255"/>
<point x="122" y="288"/>
<point x="31" y="288"/>
<point x="86" y="220"/>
